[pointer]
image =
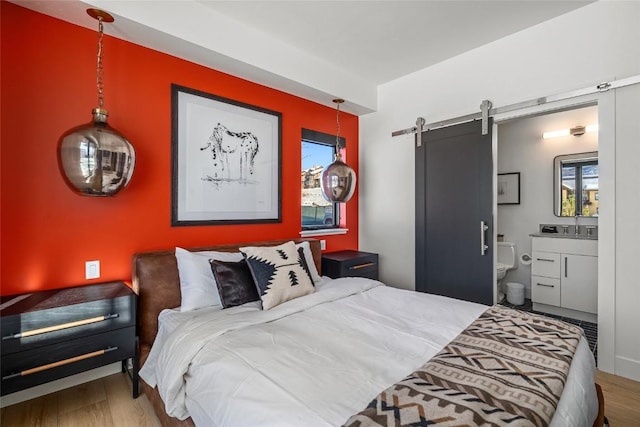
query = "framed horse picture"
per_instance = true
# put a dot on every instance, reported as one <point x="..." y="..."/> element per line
<point x="226" y="160"/>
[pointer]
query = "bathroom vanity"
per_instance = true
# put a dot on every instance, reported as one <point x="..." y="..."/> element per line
<point x="564" y="275"/>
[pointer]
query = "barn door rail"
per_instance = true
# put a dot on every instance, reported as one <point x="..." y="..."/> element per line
<point x="486" y="109"/>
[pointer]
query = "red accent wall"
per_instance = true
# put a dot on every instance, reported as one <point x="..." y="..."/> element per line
<point x="48" y="85"/>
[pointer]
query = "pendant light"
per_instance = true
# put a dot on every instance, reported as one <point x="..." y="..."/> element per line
<point x="94" y="158"/>
<point x="338" y="179"/>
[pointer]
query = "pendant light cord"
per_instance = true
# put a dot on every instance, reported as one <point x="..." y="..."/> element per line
<point x="99" y="68"/>
<point x="338" y="101"/>
<point x="338" y="126"/>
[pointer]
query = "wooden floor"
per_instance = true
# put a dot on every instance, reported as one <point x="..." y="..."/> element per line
<point x="621" y="400"/>
<point x="107" y="402"/>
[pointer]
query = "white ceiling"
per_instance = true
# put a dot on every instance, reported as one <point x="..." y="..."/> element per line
<point x="318" y="50"/>
<point x="383" y="40"/>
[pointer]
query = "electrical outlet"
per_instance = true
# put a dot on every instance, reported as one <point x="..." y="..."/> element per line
<point x="92" y="270"/>
<point x="323" y="245"/>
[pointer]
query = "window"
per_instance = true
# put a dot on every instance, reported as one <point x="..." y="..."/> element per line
<point x="318" y="151"/>
<point x="578" y="189"/>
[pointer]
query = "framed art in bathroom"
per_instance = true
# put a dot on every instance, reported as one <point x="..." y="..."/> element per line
<point x="509" y="188"/>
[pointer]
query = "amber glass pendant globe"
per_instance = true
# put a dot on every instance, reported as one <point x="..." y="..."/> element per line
<point x="338" y="181"/>
<point x="95" y="159"/>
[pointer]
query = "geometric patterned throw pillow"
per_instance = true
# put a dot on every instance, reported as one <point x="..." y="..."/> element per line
<point x="278" y="273"/>
<point x="302" y="259"/>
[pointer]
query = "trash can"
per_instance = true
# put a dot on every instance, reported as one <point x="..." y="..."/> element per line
<point x="515" y="293"/>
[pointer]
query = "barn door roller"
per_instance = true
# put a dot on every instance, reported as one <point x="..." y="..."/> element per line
<point x="421" y="126"/>
<point x="485" y="108"/>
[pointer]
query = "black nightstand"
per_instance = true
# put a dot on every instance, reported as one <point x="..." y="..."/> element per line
<point x="350" y="264"/>
<point x="52" y="334"/>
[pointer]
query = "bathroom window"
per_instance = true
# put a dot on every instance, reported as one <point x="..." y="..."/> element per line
<point x="318" y="151"/>
<point x="577" y="185"/>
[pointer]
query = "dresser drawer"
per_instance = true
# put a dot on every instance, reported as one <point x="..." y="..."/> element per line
<point x="546" y="264"/>
<point x="32" y="329"/>
<point x="545" y="290"/>
<point x="350" y="264"/>
<point x="48" y="363"/>
<point x="366" y="266"/>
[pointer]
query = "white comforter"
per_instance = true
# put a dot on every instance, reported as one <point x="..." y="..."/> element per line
<point x="318" y="359"/>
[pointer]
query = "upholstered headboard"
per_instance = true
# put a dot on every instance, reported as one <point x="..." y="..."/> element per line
<point x="157" y="283"/>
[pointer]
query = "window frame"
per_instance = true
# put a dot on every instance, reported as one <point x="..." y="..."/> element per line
<point x="577" y="162"/>
<point x="320" y="138"/>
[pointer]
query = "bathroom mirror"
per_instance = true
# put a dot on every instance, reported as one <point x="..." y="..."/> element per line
<point x="575" y="184"/>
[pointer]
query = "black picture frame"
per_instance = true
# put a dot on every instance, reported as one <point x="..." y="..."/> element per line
<point x="226" y="160"/>
<point x="509" y="188"/>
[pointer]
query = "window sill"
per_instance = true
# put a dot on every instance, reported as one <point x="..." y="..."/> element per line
<point x="324" y="232"/>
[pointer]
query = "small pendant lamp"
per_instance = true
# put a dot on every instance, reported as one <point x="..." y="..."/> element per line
<point x="94" y="158"/>
<point x="338" y="179"/>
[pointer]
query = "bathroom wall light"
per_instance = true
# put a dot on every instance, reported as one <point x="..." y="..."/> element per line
<point x="575" y="131"/>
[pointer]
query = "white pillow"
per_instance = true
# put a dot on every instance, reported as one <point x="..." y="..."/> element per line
<point x="198" y="287"/>
<point x="308" y="256"/>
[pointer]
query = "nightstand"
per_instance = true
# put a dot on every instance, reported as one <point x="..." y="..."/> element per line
<point x="52" y="334"/>
<point x="350" y="264"/>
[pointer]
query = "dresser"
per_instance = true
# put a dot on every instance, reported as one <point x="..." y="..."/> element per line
<point x="350" y="264"/>
<point x="53" y="334"/>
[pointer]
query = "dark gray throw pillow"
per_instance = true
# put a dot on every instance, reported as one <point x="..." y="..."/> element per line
<point x="235" y="282"/>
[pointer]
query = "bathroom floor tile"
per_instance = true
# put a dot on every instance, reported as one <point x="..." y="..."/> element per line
<point x="572" y="321"/>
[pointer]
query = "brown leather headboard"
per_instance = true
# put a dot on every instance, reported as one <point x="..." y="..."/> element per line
<point x="157" y="283"/>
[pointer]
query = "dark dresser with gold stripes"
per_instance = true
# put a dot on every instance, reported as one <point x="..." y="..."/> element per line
<point x="52" y="334"/>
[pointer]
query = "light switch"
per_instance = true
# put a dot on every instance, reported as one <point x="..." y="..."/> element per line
<point x="92" y="270"/>
<point x="323" y="245"/>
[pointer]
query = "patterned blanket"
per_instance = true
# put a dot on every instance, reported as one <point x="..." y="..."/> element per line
<point x="508" y="368"/>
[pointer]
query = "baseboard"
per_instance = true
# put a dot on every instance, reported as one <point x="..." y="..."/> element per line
<point x="61" y="384"/>
<point x="628" y="368"/>
<point x="566" y="312"/>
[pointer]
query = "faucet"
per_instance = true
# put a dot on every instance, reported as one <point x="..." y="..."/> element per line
<point x="577" y="227"/>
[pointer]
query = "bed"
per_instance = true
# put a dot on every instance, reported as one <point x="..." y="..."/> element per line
<point x="319" y="360"/>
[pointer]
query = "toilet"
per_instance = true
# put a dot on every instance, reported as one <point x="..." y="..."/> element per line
<point x="507" y="260"/>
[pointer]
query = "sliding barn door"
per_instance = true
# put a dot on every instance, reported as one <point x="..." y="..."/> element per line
<point x="454" y="227"/>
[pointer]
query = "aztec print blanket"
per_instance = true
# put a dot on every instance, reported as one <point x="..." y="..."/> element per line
<point x="508" y="368"/>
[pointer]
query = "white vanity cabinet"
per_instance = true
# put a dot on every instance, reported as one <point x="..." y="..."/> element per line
<point x="564" y="276"/>
<point x="579" y="282"/>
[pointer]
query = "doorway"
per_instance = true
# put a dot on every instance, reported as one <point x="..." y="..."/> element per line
<point x="522" y="149"/>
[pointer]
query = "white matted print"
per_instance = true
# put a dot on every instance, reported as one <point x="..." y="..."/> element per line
<point x="226" y="164"/>
<point x="509" y="188"/>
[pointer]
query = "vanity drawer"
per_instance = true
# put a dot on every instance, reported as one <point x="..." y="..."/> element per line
<point x="545" y="290"/>
<point x="546" y="264"/>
